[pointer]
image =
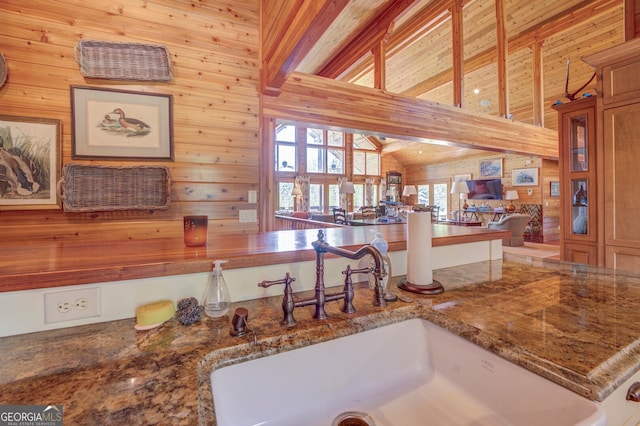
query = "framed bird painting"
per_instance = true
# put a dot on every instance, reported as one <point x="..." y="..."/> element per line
<point x="121" y="125"/>
<point x="30" y="162"/>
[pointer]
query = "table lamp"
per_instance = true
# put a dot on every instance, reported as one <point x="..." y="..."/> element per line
<point x="408" y="191"/>
<point x="346" y="188"/>
<point x="459" y="188"/>
<point x="296" y="193"/>
<point x="510" y="196"/>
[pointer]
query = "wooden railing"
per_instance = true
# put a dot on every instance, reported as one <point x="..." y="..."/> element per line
<point x="291" y="223"/>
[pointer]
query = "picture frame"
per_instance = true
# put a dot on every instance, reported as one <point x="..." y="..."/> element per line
<point x="462" y="178"/>
<point x="30" y="162"/>
<point x="554" y="189"/>
<point x="121" y="125"/>
<point x="525" y="177"/>
<point x="491" y="168"/>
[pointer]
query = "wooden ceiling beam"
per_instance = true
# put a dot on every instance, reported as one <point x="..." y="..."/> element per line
<point x="557" y="24"/>
<point x="293" y="27"/>
<point x="365" y="41"/>
<point x="375" y="142"/>
<point x="426" y="20"/>
<point x="349" y="107"/>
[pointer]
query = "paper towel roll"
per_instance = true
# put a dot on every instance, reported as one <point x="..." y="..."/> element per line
<point x="419" y="270"/>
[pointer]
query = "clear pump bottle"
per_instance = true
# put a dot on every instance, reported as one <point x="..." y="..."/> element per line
<point x="216" y="296"/>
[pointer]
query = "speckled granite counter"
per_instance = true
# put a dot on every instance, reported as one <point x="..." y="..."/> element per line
<point x="577" y="326"/>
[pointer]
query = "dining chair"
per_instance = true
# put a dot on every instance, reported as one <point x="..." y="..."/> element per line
<point x="368" y="212"/>
<point x="339" y="216"/>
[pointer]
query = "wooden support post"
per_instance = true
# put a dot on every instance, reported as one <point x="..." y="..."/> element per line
<point x="501" y="47"/>
<point x="538" y="85"/>
<point x="458" y="53"/>
<point x="380" y="67"/>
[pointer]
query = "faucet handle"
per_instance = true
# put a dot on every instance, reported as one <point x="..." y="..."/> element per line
<point x="287" y="301"/>
<point x="287" y="280"/>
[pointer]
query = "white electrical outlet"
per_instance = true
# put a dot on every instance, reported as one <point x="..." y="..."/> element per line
<point x="72" y="305"/>
<point x="248" y="216"/>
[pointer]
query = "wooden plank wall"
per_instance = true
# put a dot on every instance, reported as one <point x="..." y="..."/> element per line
<point x="550" y="172"/>
<point x="214" y="48"/>
<point x="547" y="171"/>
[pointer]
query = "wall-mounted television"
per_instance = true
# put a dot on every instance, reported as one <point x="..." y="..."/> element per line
<point x="486" y="189"/>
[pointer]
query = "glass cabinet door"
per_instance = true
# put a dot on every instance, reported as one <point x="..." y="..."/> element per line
<point x="580" y="206"/>
<point x="578" y="144"/>
<point x="579" y="198"/>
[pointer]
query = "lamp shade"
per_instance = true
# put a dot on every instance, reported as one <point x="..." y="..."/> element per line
<point x="296" y="192"/>
<point x="409" y="190"/>
<point x="511" y="195"/>
<point x="347" y="188"/>
<point x="459" y="187"/>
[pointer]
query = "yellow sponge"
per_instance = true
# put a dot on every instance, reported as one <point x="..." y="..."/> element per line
<point x="155" y="313"/>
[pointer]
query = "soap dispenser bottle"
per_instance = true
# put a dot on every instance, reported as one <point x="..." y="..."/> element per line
<point x="216" y="296"/>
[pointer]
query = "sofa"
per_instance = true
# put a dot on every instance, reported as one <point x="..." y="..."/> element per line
<point x="516" y="223"/>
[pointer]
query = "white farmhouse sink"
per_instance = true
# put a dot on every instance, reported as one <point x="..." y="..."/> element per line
<point x="410" y="373"/>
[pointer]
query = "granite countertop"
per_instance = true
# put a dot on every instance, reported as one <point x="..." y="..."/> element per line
<point x="575" y="325"/>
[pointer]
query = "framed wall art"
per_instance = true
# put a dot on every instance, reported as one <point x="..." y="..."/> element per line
<point x="121" y="125"/>
<point x="491" y="168"/>
<point x="525" y="177"/>
<point x="462" y="178"/>
<point x="555" y="189"/>
<point x="30" y="162"/>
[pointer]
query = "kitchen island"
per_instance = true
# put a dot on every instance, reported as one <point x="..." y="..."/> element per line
<point x="572" y="324"/>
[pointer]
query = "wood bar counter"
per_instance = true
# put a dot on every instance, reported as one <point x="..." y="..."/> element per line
<point x="44" y="264"/>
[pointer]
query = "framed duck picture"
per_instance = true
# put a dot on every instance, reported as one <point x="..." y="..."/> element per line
<point x="30" y="162"/>
<point x="121" y="125"/>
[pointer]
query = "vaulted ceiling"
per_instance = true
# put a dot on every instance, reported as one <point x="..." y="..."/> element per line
<point x="449" y="51"/>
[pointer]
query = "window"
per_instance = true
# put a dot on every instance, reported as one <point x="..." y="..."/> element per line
<point x="440" y="197"/>
<point x="325" y="151"/>
<point x="320" y="154"/>
<point x="359" y="198"/>
<point x="285" y="199"/>
<point x="423" y="194"/>
<point x="434" y="194"/>
<point x="286" y="148"/>
<point x="366" y="158"/>
<point x="316" y="197"/>
<point x="334" y="196"/>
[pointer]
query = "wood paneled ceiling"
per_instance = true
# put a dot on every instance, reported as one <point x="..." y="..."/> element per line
<point x="418" y="39"/>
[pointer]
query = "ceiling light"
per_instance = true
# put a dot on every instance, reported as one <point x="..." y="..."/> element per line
<point x="485" y="102"/>
<point x="476" y="91"/>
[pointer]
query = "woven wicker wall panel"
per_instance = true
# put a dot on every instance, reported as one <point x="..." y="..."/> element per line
<point x="88" y="188"/>
<point x="123" y="61"/>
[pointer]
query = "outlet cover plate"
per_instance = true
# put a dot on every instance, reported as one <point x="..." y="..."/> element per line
<point x="248" y="216"/>
<point x="77" y="304"/>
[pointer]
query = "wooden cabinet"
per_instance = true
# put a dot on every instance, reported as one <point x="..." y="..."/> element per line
<point x="578" y="180"/>
<point x="579" y="253"/>
<point x="618" y="115"/>
<point x="394" y="184"/>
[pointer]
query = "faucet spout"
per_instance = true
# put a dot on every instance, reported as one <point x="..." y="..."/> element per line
<point x="321" y="247"/>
